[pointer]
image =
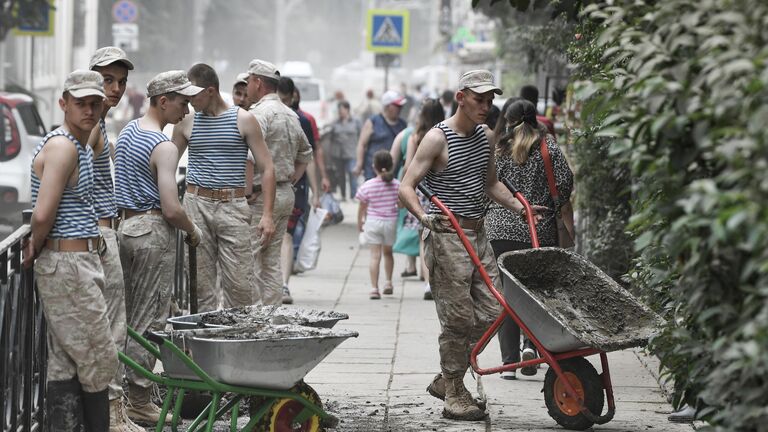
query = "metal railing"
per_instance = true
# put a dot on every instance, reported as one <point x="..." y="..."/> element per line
<point x="22" y="339"/>
<point x="23" y="336"/>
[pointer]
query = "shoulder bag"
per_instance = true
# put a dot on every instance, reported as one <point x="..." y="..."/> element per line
<point x="565" y="237"/>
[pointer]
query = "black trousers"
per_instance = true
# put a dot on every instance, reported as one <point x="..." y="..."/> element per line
<point x="509" y="332"/>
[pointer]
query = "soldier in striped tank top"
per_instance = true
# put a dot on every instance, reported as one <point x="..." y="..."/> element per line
<point x="113" y="65"/>
<point x="148" y="202"/>
<point x="457" y="164"/>
<point x="218" y="138"/>
<point x="82" y="358"/>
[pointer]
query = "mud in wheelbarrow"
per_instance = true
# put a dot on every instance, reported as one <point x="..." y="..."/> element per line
<point x="258" y="314"/>
<point x="569" y="303"/>
<point x="263" y="365"/>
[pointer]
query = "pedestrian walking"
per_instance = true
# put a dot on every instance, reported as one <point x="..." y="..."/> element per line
<point x="65" y="247"/>
<point x="379" y="132"/>
<point x="519" y="159"/>
<point x="407" y="238"/>
<point x="218" y="138"/>
<point x="114" y="66"/>
<point x="345" y="133"/>
<point x="376" y="219"/>
<point x="369" y="107"/>
<point x="291" y="153"/>
<point x="456" y="162"/>
<point x="240" y="91"/>
<point x="148" y="204"/>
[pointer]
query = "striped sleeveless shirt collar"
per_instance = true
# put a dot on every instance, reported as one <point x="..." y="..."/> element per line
<point x="75" y="216"/>
<point x="104" y="187"/>
<point x="135" y="187"/>
<point x="461" y="184"/>
<point x="217" y="151"/>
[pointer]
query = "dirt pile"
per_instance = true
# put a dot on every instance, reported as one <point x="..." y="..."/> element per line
<point x="274" y="315"/>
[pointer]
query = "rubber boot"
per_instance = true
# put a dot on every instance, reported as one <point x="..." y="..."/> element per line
<point x="437" y="389"/>
<point x="96" y="411"/>
<point x="141" y="409"/>
<point x="63" y="406"/>
<point x="118" y="420"/>
<point x="459" y="404"/>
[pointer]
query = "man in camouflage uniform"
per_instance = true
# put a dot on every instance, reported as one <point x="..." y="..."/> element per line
<point x="218" y="138"/>
<point x="458" y="152"/>
<point x="113" y="65"/>
<point x="148" y="201"/>
<point x="82" y="358"/>
<point x="290" y="154"/>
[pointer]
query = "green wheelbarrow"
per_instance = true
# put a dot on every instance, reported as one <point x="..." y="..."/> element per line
<point x="229" y="366"/>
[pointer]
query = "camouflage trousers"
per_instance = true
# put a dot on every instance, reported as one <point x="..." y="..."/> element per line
<point x="465" y="306"/>
<point x="224" y="251"/>
<point x="148" y="256"/>
<point x="70" y="286"/>
<point x="268" y="278"/>
<point x="114" y="296"/>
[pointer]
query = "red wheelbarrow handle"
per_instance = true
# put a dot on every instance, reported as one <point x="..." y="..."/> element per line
<point x="548" y="357"/>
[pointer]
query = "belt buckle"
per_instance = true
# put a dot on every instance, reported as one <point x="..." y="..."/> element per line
<point x="224" y="195"/>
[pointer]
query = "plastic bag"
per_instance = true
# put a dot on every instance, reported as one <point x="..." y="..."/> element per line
<point x="309" y="251"/>
<point x="334" y="215"/>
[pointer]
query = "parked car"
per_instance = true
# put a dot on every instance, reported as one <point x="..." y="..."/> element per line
<point x="21" y="129"/>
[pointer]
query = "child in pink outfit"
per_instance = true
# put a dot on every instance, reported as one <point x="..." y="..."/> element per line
<point x="377" y="219"/>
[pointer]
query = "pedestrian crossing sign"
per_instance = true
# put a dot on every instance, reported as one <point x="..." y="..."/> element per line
<point x="387" y="31"/>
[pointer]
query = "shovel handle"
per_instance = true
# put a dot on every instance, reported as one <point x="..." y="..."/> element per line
<point x="192" y="279"/>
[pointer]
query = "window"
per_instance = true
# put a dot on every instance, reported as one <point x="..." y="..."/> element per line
<point x="10" y="144"/>
<point x="31" y="119"/>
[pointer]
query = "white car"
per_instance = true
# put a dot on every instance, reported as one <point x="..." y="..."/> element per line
<point x="21" y="130"/>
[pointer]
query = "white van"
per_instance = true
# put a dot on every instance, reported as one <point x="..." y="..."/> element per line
<point x="312" y="90"/>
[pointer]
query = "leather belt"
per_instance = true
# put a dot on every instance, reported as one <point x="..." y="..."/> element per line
<point x="217" y="194"/>
<point x="471" y="224"/>
<point x="73" y="245"/>
<point x="126" y="214"/>
<point x="108" y="223"/>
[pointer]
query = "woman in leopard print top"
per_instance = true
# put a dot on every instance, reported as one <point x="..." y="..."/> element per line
<point x="518" y="158"/>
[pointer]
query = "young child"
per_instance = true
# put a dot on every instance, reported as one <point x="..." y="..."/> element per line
<point x="377" y="219"/>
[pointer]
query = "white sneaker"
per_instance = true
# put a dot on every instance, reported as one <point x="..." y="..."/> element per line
<point x="529" y="354"/>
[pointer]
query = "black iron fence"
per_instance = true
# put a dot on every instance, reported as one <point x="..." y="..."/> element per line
<point x="23" y="334"/>
<point x="22" y="340"/>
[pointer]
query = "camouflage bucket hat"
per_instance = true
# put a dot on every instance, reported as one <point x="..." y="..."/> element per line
<point x="172" y="82"/>
<point x="82" y="83"/>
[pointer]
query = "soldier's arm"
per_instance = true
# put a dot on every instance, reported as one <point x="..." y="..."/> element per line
<point x="432" y="146"/>
<point x="304" y="155"/>
<point x="163" y="162"/>
<point x="59" y="161"/>
<point x="181" y="133"/>
<point x="251" y="132"/>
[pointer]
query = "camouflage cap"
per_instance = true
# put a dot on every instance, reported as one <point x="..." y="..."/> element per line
<point x="108" y="55"/>
<point x="479" y="81"/>
<point x="175" y="81"/>
<point x="263" y="68"/>
<point x="242" y="78"/>
<point x="82" y="83"/>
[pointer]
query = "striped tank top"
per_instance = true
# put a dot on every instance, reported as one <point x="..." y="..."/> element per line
<point x="103" y="187"/>
<point x="75" y="217"/>
<point x="461" y="184"/>
<point x="217" y="151"/>
<point x="135" y="187"/>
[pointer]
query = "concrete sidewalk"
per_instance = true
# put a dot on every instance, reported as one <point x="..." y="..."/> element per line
<point x="377" y="381"/>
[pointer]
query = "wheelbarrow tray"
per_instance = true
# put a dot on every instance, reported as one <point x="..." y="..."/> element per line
<point x="265" y="356"/>
<point x="258" y="314"/>
<point x="569" y="303"/>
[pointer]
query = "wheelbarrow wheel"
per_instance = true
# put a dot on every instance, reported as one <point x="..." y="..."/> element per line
<point x="564" y="409"/>
<point x="280" y="416"/>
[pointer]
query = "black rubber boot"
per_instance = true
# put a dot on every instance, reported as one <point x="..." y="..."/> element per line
<point x="96" y="411"/>
<point x="64" y="406"/>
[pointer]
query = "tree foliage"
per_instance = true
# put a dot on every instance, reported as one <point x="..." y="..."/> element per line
<point x="680" y="92"/>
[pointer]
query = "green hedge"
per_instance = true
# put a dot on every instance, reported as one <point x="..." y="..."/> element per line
<point x="679" y="91"/>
